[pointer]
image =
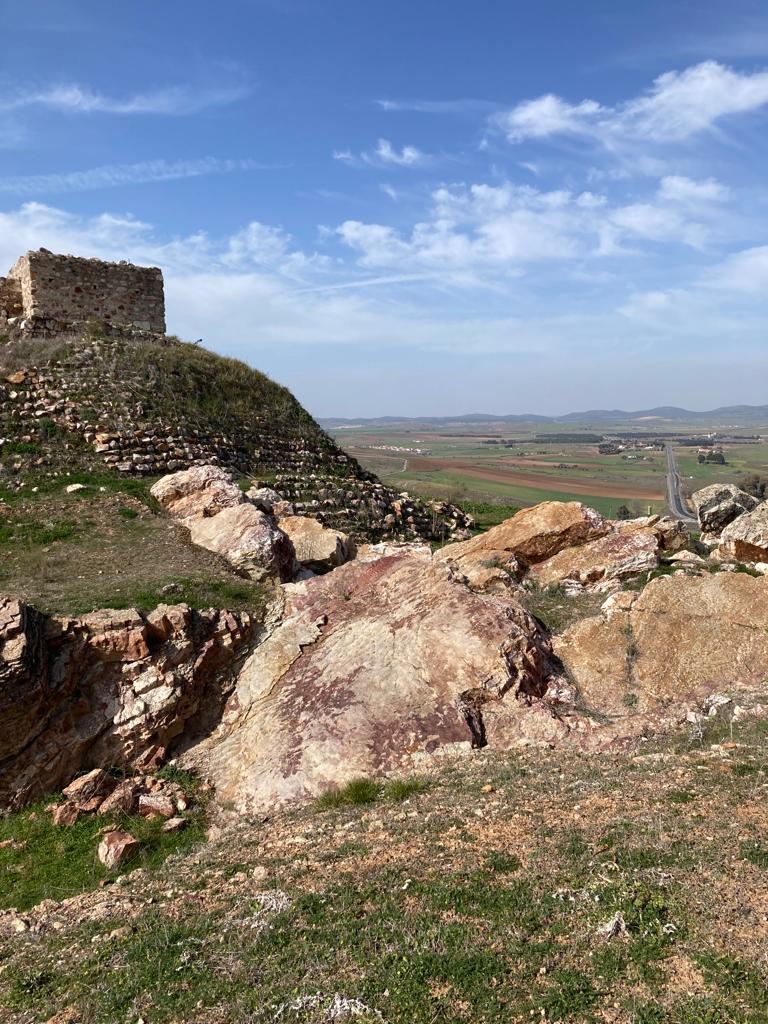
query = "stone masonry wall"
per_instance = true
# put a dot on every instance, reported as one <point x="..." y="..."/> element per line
<point x="10" y="299"/>
<point x="73" y="289"/>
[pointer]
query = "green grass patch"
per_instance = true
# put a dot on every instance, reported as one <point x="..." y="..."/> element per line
<point x="46" y="861"/>
<point x="502" y="863"/>
<point x="754" y="852"/>
<point x="403" y="789"/>
<point x="359" y="792"/>
<point x="353" y="794"/>
<point x="235" y="594"/>
<point x="38" y="534"/>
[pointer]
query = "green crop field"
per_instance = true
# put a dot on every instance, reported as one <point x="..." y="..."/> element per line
<point x="529" y="463"/>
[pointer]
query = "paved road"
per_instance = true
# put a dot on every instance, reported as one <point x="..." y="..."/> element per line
<point x="678" y="506"/>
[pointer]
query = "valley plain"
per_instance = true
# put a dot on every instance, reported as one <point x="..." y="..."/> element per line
<point x="523" y="463"/>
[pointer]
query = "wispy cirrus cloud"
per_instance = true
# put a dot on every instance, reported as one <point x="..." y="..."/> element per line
<point x="678" y="105"/>
<point x="71" y="98"/>
<point x="115" y="175"/>
<point x="455" y="106"/>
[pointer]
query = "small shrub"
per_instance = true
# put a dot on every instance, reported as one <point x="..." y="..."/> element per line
<point x="402" y="789"/>
<point x="354" y="793"/>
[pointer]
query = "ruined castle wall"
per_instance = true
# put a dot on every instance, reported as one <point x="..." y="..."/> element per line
<point x="10" y="298"/>
<point x="71" y="288"/>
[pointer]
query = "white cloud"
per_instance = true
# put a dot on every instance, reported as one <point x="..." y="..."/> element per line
<point x="679" y="104"/>
<point x="408" y="156"/>
<point x="77" y="99"/>
<point x="678" y="189"/>
<point x="658" y="224"/>
<point x="548" y="115"/>
<point x="385" y="154"/>
<point x="744" y="272"/>
<point x="115" y="175"/>
<point x="494" y="231"/>
<point x="644" y="304"/>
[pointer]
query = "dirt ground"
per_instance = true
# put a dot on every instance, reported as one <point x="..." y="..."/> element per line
<point x="551" y="482"/>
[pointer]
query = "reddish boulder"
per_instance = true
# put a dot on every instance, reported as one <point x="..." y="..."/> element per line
<point x="88" y="791"/>
<point x="112" y="688"/>
<point x="65" y="814"/>
<point x="116" y="847"/>
<point x="373" y="665"/>
<point x="156" y="805"/>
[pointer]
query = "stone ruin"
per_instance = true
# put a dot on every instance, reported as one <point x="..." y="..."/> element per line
<point x="43" y="286"/>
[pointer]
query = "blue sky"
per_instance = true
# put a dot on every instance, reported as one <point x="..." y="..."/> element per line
<point x="422" y="207"/>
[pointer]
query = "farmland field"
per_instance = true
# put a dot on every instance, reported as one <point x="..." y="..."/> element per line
<point x="522" y="464"/>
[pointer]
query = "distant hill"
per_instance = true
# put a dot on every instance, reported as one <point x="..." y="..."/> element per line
<point x="731" y="414"/>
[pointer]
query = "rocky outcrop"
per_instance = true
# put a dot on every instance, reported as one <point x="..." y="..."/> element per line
<point x="110" y="689"/>
<point x="531" y="536"/>
<point x="746" y="538"/>
<point x="220" y="518"/>
<point x="316" y="546"/>
<point x="558" y="542"/>
<point x="614" y="557"/>
<point x="680" y="640"/>
<point x="720" y="504"/>
<point x="375" y="666"/>
<point x="372" y="666"/>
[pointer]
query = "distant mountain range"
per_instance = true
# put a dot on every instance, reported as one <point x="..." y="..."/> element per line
<point x="730" y="414"/>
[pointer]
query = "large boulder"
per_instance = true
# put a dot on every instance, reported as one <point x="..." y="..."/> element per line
<point x="220" y="518"/>
<point x="317" y="547"/>
<point x="680" y="640"/>
<point x="746" y="538"/>
<point x="609" y="559"/>
<point x="250" y="541"/>
<point x="529" y="537"/>
<point x="197" y="492"/>
<point x="109" y="689"/>
<point x="719" y="504"/>
<point x="373" y="666"/>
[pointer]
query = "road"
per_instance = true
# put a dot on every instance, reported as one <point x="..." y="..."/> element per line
<point x="678" y="506"/>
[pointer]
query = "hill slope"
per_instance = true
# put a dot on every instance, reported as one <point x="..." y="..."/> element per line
<point x="142" y="405"/>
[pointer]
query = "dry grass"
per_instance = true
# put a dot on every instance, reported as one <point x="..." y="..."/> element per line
<point x="69" y="554"/>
